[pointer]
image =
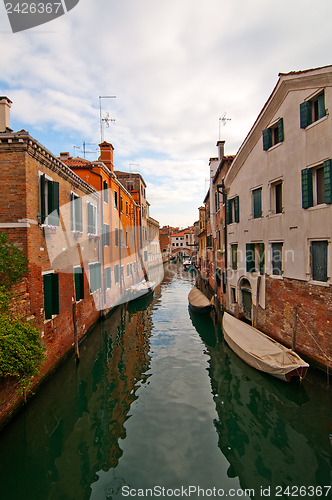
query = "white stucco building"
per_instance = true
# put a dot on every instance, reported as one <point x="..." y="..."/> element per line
<point x="279" y="215"/>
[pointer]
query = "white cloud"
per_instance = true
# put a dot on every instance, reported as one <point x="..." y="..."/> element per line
<point x="175" y="66"/>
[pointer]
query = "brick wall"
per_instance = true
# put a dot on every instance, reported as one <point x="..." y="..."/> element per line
<point x="314" y="317"/>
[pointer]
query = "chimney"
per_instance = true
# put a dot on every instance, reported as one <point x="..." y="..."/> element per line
<point x="106" y="154"/>
<point x="64" y="156"/>
<point x="5" y="105"/>
<point x="221" y="147"/>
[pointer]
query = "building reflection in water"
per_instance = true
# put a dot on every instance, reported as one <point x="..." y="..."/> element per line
<point x="272" y="433"/>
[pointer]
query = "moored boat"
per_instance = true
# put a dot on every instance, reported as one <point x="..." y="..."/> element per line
<point x="261" y="351"/>
<point x="186" y="264"/>
<point x="198" y="302"/>
<point x="140" y="290"/>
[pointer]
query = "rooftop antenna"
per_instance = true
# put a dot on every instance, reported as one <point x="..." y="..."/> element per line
<point x="107" y="119"/>
<point x="223" y="120"/>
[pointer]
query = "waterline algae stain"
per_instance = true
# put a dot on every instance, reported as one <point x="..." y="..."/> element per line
<point x="159" y="404"/>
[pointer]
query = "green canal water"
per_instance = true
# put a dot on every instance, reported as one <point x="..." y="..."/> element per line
<point x="159" y="407"/>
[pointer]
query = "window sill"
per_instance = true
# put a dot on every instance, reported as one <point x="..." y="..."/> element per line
<point x="274" y="146"/>
<point x="316" y="122"/>
<point x="325" y="284"/>
<point x="276" y="276"/>
<point x="273" y="215"/>
<point x="318" y="207"/>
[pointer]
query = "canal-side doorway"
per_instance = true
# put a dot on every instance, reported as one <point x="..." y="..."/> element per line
<point x="246" y="299"/>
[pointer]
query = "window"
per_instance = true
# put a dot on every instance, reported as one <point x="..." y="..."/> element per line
<point x="95" y="276"/>
<point x="130" y="187"/>
<point x="233" y="210"/>
<point x="233" y="295"/>
<point x="276" y="260"/>
<point x="92" y="218"/>
<point x="106" y="235"/>
<point x="49" y="201"/>
<point x="121" y="204"/>
<point x="276" y="197"/>
<point x="76" y="213"/>
<point x="257" y="203"/>
<point x="234" y="256"/>
<point x="51" y="294"/>
<point x="79" y="283"/>
<point x="273" y="135"/>
<point x="105" y="189"/>
<point x="116" y="236"/>
<point x="312" y="110"/>
<point x="116" y="273"/>
<point x="317" y="185"/>
<point x="128" y="270"/>
<point x="255" y="257"/>
<point x="116" y="200"/>
<point x="107" y="278"/>
<point x="319" y="260"/>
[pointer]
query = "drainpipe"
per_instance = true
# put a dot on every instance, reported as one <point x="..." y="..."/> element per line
<point x="221" y="189"/>
<point x="102" y="240"/>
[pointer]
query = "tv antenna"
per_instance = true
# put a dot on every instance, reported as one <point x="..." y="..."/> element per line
<point x="106" y="119"/>
<point x="223" y="120"/>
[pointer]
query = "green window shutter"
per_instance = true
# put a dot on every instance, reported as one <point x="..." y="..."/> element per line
<point x="328" y="181"/>
<point x="51" y="294"/>
<point x="92" y="278"/>
<point x="277" y="258"/>
<point x="257" y="199"/>
<point x="72" y="212"/>
<point x="55" y="293"/>
<point x="234" y="257"/>
<point x="229" y="213"/>
<point x="78" y="215"/>
<point x="267" y="139"/>
<point x="47" y="282"/>
<point x="105" y="191"/>
<point x="90" y="218"/>
<point x="305" y="114"/>
<point x="321" y="106"/>
<point x="307" y="193"/>
<point x="281" y="130"/>
<point x="250" y="257"/>
<point x="261" y="258"/>
<point x="319" y="260"/>
<point x="237" y="208"/>
<point x="79" y="283"/>
<point x="53" y="203"/>
<point x="108" y="277"/>
<point x="42" y="199"/>
<point x="106" y="235"/>
<point x="98" y="275"/>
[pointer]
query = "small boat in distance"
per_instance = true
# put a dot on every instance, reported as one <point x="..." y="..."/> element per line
<point x="261" y="351"/>
<point x="186" y="264"/>
<point x="198" y="302"/>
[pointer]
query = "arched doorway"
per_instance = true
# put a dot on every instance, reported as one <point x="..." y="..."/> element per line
<point x="246" y="299"/>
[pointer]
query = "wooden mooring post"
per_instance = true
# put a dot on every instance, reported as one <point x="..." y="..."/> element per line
<point x="294" y="327"/>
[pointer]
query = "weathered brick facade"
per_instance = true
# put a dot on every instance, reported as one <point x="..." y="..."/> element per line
<point x="22" y="161"/>
<point x="313" y="308"/>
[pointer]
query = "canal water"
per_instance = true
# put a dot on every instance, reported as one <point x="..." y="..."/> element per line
<point x="160" y="407"/>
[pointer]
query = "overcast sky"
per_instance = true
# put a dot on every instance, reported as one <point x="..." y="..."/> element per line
<point x="175" y="67"/>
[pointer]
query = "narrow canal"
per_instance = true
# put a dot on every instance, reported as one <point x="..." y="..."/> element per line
<point x="159" y="404"/>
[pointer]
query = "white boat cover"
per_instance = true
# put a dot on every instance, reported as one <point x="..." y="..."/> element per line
<point x="259" y="350"/>
<point x="198" y="299"/>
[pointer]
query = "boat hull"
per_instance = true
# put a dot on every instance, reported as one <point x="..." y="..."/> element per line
<point x="262" y="352"/>
<point x="198" y="302"/>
